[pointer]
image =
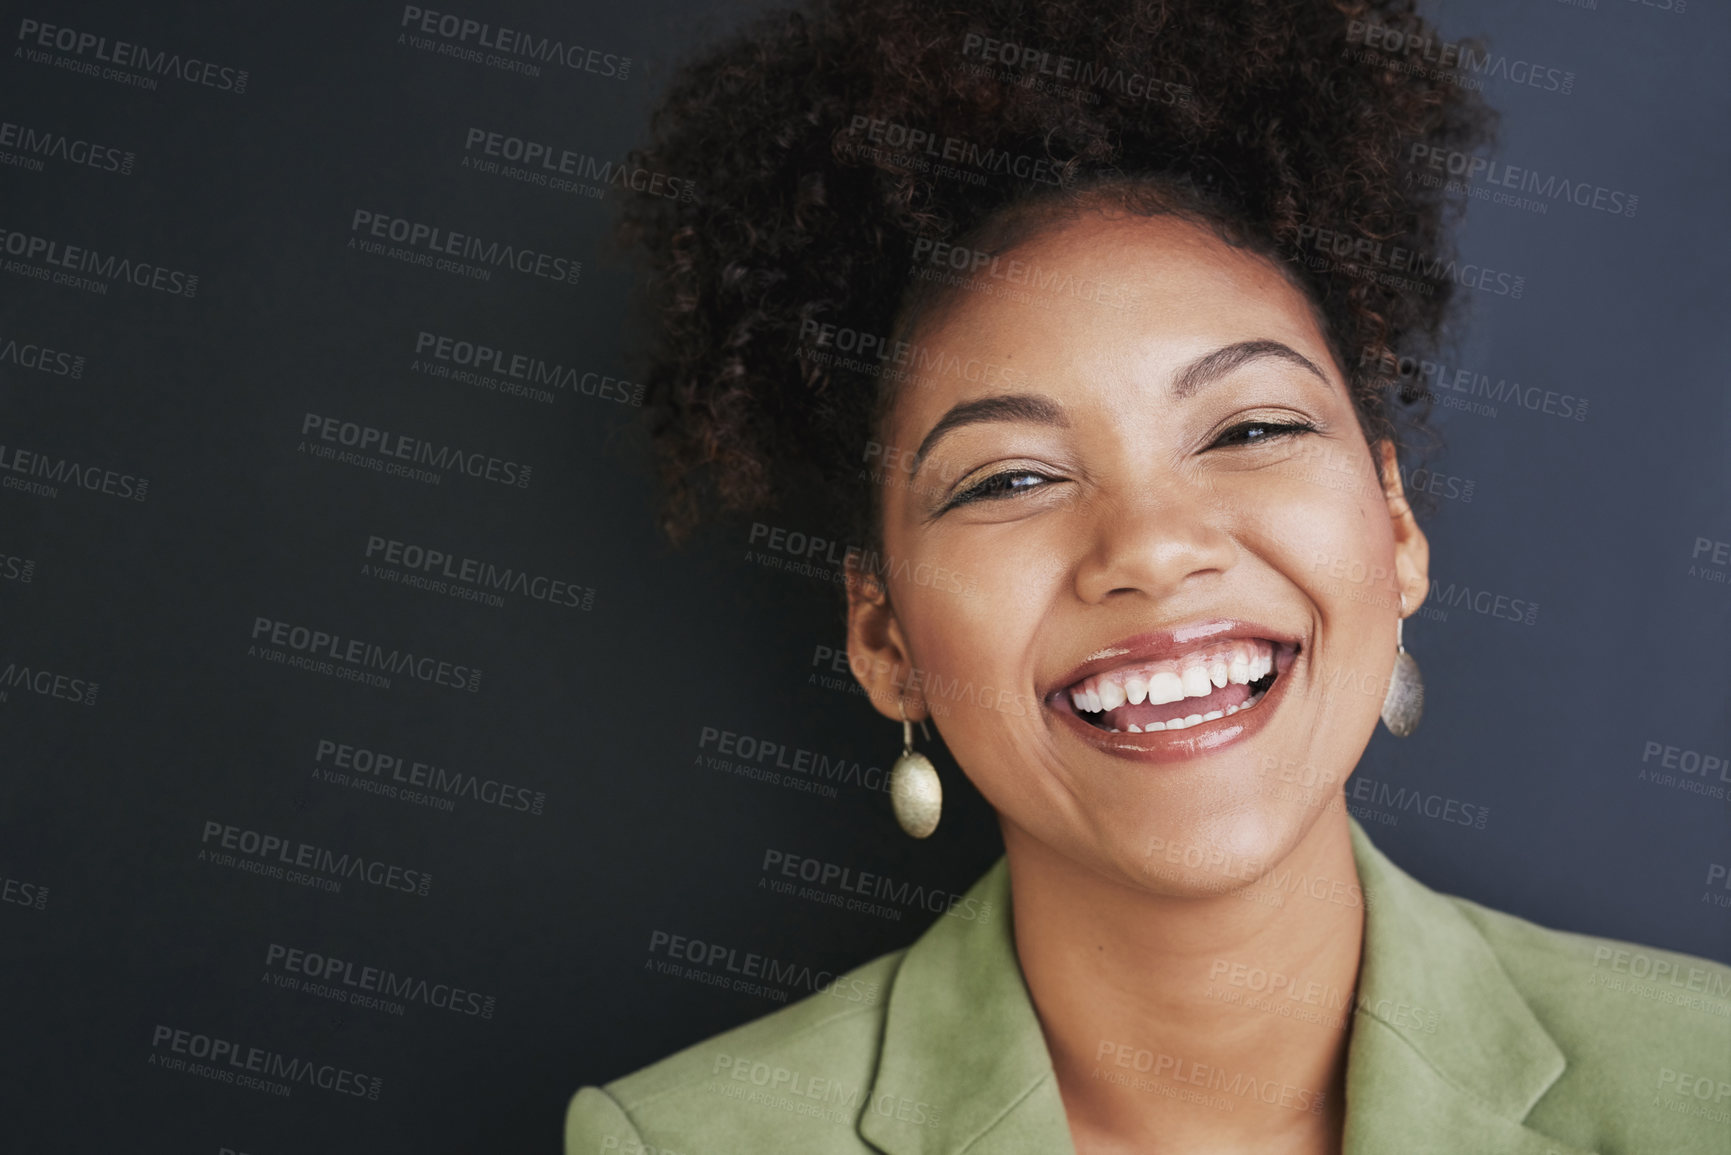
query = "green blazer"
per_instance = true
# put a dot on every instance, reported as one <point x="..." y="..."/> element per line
<point x="1473" y="1033"/>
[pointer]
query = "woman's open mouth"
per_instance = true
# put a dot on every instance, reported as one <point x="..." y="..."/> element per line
<point x="1207" y="684"/>
<point x="1165" y="698"/>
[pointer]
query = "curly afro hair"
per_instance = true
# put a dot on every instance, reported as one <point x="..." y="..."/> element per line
<point x="805" y="147"/>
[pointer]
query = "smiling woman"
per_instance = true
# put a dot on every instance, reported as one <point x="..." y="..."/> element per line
<point x="1185" y="439"/>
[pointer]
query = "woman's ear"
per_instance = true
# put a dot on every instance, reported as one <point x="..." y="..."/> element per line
<point x="877" y="652"/>
<point x="1411" y="547"/>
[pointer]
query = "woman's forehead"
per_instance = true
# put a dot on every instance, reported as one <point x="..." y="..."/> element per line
<point x="1099" y="301"/>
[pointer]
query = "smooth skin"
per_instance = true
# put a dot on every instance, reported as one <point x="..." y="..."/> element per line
<point x="1152" y="900"/>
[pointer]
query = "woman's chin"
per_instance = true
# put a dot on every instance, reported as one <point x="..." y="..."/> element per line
<point x="1224" y="839"/>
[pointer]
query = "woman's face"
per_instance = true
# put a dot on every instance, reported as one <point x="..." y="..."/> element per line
<point x="1141" y="572"/>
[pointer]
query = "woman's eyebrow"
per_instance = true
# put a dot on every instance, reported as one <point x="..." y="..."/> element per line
<point x="1032" y="407"/>
<point x="1210" y="367"/>
<point x="1042" y="410"/>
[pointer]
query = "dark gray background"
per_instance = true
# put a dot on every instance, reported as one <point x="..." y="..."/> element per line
<point x="1545" y="724"/>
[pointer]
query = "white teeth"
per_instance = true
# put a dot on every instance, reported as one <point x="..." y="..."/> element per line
<point x="1165" y="687"/>
<point x="1136" y="690"/>
<point x="1153" y="726"/>
<point x="1237" y="662"/>
<point x="1244" y="705"/>
<point x="1134" y="728"/>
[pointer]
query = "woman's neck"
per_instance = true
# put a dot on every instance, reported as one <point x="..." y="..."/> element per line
<point x="1214" y="1024"/>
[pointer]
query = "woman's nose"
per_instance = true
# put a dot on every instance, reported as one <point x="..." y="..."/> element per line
<point x="1152" y="543"/>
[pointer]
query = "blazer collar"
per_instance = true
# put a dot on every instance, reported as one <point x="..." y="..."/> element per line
<point x="1445" y="1055"/>
<point x="960" y="1035"/>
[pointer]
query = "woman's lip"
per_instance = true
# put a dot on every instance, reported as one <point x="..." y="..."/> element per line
<point x="1157" y="645"/>
<point x="1178" y="745"/>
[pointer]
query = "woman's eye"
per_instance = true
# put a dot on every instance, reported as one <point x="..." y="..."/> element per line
<point x="1000" y="485"/>
<point x="1257" y="432"/>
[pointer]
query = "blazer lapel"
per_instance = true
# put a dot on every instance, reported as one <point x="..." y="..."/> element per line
<point x="1446" y="1056"/>
<point x="963" y="1063"/>
<point x="1397" y="1102"/>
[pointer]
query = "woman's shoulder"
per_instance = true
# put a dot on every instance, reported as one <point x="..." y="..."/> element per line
<point x="1598" y="993"/>
<point x="1656" y="1021"/>
<point x="1591" y="979"/>
<point x="1592" y="1044"/>
<point x="804" y="1070"/>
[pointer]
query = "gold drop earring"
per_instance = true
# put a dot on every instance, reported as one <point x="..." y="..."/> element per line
<point x="915" y="792"/>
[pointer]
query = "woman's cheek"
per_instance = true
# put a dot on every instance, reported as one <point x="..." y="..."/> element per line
<point x="1331" y="536"/>
<point x="971" y="615"/>
<point x="1339" y="552"/>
